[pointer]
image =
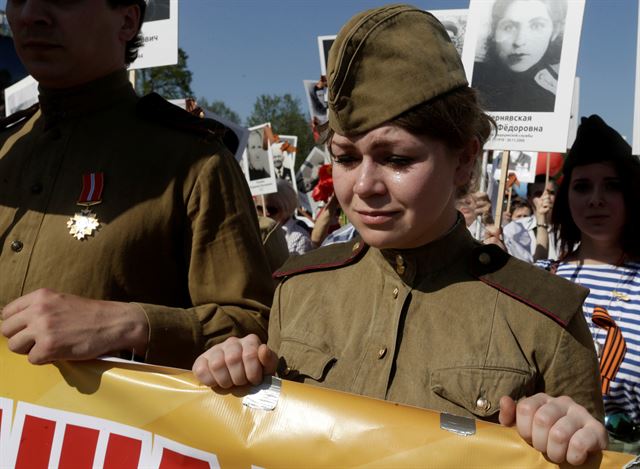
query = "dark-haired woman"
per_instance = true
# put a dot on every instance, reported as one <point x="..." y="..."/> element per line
<point x="597" y="220"/>
<point x="520" y="68"/>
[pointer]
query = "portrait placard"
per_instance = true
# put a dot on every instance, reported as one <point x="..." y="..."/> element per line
<point x="455" y="22"/>
<point x="20" y="95"/>
<point x="257" y="161"/>
<point x="160" y="35"/>
<point x="283" y="152"/>
<point x="522" y="57"/>
<point x="324" y="44"/>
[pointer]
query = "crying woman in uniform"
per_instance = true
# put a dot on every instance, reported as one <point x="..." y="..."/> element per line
<point x="415" y="310"/>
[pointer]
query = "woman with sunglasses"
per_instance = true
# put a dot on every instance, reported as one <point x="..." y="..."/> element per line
<point x="416" y="311"/>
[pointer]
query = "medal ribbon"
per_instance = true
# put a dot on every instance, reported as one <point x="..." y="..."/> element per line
<point x="614" y="347"/>
<point x="92" y="185"/>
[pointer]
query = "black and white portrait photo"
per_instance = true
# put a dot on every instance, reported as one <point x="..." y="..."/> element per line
<point x="455" y="22"/>
<point x="316" y="99"/>
<point x="516" y="69"/>
<point x="258" y="155"/>
<point x="157" y="10"/>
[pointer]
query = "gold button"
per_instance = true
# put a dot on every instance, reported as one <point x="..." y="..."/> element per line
<point x="395" y="292"/>
<point x="400" y="269"/>
<point x="382" y="352"/>
<point x="484" y="258"/>
<point x="356" y="246"/>
<point x="399" y="260"/>
<point x="483" y="404"/>
<point x="286" y="371"/>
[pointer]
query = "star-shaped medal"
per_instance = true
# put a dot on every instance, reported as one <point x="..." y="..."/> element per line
<point x="83" y="224"/>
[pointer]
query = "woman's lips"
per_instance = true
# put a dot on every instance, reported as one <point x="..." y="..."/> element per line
<point x="376" y="217"/>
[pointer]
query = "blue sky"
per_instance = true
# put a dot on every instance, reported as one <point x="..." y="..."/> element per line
<point x="240" y="49"/>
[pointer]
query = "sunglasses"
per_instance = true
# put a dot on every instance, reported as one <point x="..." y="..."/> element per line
<point x="271" y="210"/>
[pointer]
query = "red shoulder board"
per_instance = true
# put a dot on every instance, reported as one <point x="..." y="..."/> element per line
<point x="328" y="257"/>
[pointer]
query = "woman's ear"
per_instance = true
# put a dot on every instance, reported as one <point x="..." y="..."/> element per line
<point x="466" y="162"/>
<point x="130" y="21"/>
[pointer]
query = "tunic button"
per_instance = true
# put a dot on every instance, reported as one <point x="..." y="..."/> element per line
<point x="36" y="188"/>
<point x="395" y="292"/>
<point x="286" y="371"/>
<point x="16" y="246"/>
<point x="484" y="258"/>
<point x="400" y="264"/>
<point x="483" y="404"/>
<point x="382" y="352"/>
<point x="356" y="246"/>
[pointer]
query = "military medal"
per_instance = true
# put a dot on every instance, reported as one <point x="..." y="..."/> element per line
<point x="85" y="223"/>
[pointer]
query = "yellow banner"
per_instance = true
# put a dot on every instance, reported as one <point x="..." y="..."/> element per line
<point x="120" y="416"/>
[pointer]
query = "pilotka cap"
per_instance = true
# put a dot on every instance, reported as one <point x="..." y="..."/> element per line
<point x="385" y="61"/>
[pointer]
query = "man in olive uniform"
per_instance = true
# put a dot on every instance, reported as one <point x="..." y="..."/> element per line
<point x="125" y="224"/>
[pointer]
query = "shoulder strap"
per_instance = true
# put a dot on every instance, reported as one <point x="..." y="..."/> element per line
<point x="327" y="257"/>
<point x="553" y="296"/>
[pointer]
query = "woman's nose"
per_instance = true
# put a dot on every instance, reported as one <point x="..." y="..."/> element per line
<point x="369" y="180"/>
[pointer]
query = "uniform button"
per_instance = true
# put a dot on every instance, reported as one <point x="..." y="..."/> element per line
<point x="36" y="188"/>
<point x="395" y="292"/>
<point x="484" y="258"/>
<point x="382" y="352"/>
<point x="16" y="246"/>
<point x="483" y="404"/>
<point x="286" y="371"/>
<point x="400" y="264"/>
<point x="356" y="246"/>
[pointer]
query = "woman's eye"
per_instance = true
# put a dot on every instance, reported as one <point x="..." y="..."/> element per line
<point x="344" y="160"/>
<point x="399" y="161"/>
<point x="581" y="187"/>
<point x="613" y="186"/>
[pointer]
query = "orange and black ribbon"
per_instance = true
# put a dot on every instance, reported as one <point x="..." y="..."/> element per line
<point x="614" y="347"/>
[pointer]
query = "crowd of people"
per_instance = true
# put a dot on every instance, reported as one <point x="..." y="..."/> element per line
<point x="165" y="258"/>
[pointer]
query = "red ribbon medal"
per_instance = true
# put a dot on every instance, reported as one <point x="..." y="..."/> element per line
<point x="85" y="223"/>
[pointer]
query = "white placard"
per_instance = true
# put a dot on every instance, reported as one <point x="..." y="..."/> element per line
<point x="257" y="161"/>
<point x="574" y="119"/>
<point x="283" y="152"/>
<point x="455" y="22"/>
<point x="636" y="108"/>
<point x="523" y="60"/>
<point x="160" y="35"/>
<point x="20" y="95"/>
<point x="324" y="44"/>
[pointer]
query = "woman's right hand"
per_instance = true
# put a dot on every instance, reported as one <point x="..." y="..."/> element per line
<point x="235" y="362"/>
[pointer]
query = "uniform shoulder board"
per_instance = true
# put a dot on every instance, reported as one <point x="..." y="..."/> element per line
<point x="328" y="257"/>
<point x="553" y="296"/>
<point x="17" y="117"/>
<point x="155" y="108"/>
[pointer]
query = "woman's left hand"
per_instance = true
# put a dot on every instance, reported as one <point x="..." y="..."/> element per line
<point x="557" y="426"/>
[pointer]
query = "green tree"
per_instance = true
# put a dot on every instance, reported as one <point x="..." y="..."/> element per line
<point x="170" y="82"/>
<point x="286" y="118"/>
<point x="221" y="109"/>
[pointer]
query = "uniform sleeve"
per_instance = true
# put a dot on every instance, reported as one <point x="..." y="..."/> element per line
<point x="229" y="280"/>
<point x="275" y="322"/>
<point x="573" y="370"/>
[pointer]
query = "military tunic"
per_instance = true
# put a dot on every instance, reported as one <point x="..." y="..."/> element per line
<point x="451" y="326"/>
<point x="178" y="230"/>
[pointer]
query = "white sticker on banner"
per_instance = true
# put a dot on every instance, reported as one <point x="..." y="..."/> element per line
<point x="264" y="396"/>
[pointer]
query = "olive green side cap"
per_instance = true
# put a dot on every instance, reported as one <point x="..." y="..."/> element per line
<point x="385" y="61"/>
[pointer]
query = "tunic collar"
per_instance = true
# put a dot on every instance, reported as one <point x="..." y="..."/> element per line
<point x="414" y="264"/>
<point x="60" y="104"/>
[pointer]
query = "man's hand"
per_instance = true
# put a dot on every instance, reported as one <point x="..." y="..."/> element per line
<point x="48" y="326"/>
<point x="235" y="362"/>
<point x="556" y="426"/>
